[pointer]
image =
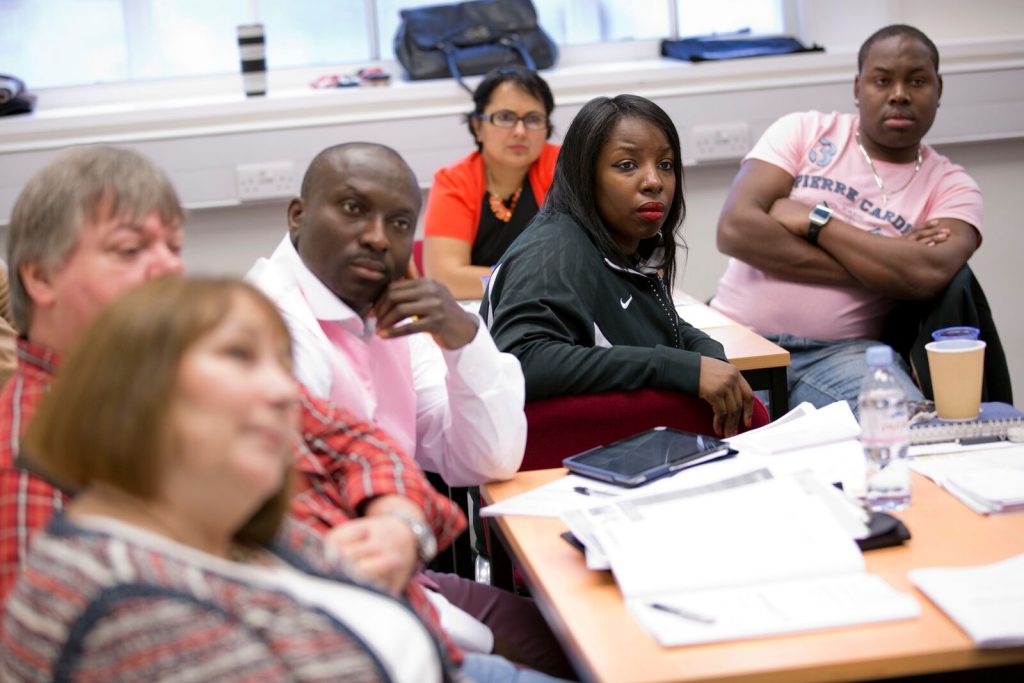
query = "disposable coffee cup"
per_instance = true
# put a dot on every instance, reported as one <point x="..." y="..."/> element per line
<point x="958" y="332"/>
<point x="957" y="367"/>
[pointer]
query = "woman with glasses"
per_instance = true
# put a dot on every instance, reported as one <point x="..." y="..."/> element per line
<point x="480" y="204"/>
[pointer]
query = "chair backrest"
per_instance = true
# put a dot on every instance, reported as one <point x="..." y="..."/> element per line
<point x="417" y="256"/>
<point x="563" y="426"/>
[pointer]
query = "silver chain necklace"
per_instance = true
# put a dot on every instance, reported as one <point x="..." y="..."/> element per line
<point x="878" y="179"/>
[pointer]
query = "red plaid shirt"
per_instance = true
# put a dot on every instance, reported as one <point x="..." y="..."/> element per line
<point x="26" y="501"/>
<point x="343" y="462"/>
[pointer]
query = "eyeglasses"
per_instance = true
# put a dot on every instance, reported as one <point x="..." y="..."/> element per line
<point x="508" y="119"/>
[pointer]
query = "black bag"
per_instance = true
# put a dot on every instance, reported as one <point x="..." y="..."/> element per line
<point x="14" y="99"/>
<point x="471" y="38"/>
<point x="705" y="50"/>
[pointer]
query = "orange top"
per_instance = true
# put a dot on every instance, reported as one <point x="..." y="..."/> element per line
<point x="456" y="197"/>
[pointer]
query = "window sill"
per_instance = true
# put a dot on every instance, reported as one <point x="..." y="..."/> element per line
<point x="200" y="107"/>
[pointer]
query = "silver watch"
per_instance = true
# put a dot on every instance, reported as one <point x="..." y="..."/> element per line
<point x="426" y="544"/>
<point x="820" y="215"/>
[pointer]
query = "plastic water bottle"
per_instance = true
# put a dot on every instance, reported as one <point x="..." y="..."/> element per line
<point x="885" y="433"/>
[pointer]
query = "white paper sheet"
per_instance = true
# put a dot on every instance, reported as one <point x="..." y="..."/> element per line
<point x="554" y="498"/>
<point x="767" y="530"/>
<point x="945" y="470"/>
<point x="702" y="317"/>
<point x="831" y="424"/>
<point x="758" y="556"/>
<point x="771" y="609"/>
<point x="986" y="601"/>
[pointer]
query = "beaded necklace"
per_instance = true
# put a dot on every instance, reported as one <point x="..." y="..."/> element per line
<point x="501" y="212"/>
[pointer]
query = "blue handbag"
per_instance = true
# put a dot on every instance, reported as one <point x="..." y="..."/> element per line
<point x="471" y="38"/>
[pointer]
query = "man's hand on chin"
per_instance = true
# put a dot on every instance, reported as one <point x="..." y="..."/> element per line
<point x="424" y="305"/>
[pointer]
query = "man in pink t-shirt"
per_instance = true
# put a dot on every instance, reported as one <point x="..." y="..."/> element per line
<point x="833" y="218"/>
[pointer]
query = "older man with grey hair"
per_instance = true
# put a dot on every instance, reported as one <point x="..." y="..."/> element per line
<point x="92" y="224"/>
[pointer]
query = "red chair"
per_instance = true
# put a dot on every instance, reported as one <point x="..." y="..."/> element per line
<point x="566" y="425"/>
<point x="417" y="256"/>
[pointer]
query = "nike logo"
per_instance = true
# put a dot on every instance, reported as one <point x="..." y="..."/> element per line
<point x="626" y="302"/>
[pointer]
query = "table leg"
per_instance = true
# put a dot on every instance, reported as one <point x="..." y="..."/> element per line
<point x="772" y="380"/>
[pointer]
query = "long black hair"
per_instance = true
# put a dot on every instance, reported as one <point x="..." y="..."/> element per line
<point x="572" y="190"/>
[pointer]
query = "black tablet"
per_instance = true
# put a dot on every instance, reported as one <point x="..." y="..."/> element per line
<point x="645" y="456"/>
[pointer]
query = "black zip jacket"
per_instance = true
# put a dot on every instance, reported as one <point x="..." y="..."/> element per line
<point x="579" y="324"/>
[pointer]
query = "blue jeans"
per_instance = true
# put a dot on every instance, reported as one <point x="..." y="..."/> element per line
<point x="823" y="372"/>
<point x="494" y="669"/>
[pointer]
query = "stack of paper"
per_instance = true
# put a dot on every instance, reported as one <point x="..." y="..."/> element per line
<point x="986" y="481"/>
<point x="824" y="440"/>
<point x="747" y="556"/>
<point x="999" y="489"/>
<point x="987" y="602"/>
<point x="802" y="427"/>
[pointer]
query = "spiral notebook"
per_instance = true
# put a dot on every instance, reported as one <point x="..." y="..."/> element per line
<point x="991" y="424"/>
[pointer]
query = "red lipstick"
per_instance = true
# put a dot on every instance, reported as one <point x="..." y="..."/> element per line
<point x="651" y="211"/>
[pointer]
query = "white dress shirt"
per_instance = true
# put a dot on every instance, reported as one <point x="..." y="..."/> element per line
<point x="470" y="425"/>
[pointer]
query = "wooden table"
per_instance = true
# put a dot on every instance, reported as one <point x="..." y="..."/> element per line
<point x="763" y="363"/>
<point x="586" y="611"/>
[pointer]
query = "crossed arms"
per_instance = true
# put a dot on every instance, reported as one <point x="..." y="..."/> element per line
<point x="762" y="227"/>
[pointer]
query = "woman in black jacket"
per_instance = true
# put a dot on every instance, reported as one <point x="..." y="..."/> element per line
<point x="583" y="297"/>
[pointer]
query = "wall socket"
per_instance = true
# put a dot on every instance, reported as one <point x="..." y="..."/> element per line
<point x="720" y="141"/>
<point x="271" y="180"/>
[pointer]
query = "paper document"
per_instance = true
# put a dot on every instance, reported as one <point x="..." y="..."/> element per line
<point x="773" y="609"/>
<point x="825" y="441"/>
<point x="582" y="520"/>
<point x="719" y="551"/>
<point x="566" y="493"/>
<point x="840" y="462"/>
<point x="554" y="498"/>
<point x="701" y="316"/>
<point x="987" y="481"/>
<point x="987" y="602"/>
<point x="831" y="424"/>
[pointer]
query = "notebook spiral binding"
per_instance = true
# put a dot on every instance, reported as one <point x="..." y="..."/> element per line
<point x="995" y="420"/>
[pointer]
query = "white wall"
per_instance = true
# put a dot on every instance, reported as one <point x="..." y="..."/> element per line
<point x="841" y="25"/>
<point x="980" y="125"/>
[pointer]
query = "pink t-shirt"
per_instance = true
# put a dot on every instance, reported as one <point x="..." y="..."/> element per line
<point x="820" y="152"/>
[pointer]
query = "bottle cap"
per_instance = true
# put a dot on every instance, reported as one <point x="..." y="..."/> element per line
<point x="878" y="355"/>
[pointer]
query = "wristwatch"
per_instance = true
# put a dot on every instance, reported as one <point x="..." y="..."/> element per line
<point x="426" y="544"/>
<point x="820" y="215"/>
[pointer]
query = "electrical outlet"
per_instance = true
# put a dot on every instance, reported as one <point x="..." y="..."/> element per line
<point x="272" y="180"/>
<point x="721" y="141"/>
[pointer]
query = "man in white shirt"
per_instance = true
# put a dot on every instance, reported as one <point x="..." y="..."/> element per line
<point x="449" y="397"/>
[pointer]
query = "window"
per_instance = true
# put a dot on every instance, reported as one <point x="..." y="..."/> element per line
<point x="78" y="42"/>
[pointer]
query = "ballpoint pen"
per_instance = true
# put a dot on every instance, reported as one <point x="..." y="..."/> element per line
<point x="585" y="491"/>
<point x="680" y="612"/>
